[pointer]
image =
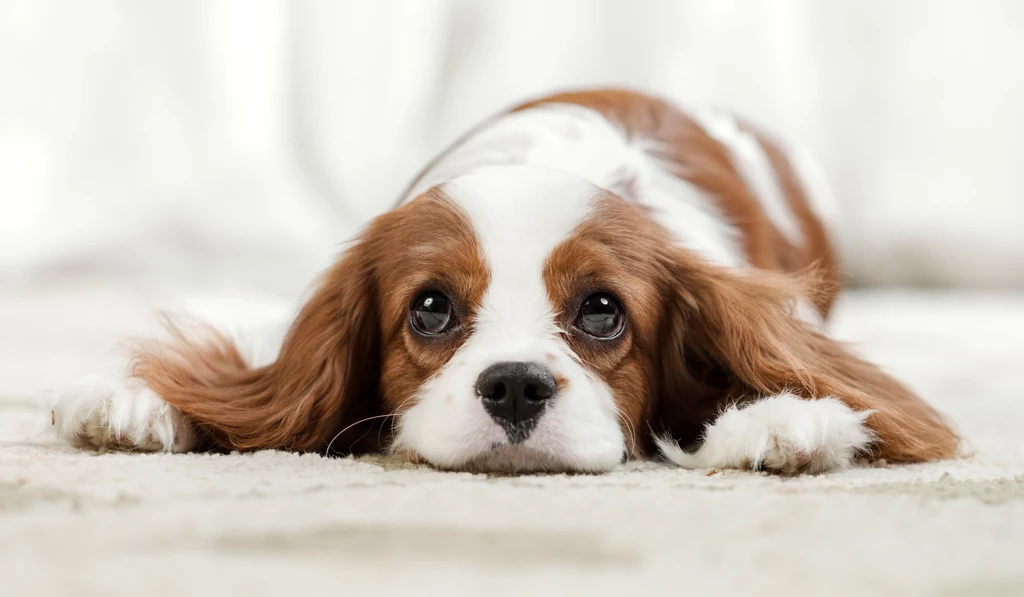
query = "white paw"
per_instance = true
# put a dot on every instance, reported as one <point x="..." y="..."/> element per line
<point x="782" y="433"/>
<point x="105" y="413"/>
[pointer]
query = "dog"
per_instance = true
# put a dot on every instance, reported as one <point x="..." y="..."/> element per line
<point x="588" y="278"/>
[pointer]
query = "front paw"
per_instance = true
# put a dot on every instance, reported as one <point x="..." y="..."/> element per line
<point x="782" y="434"/>
<point x="107" y="414"/>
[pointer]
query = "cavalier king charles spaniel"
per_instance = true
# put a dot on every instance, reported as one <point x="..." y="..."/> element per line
<point x="585" y="279"/>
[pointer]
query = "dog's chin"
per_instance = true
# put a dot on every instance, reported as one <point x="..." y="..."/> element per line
<point x="515" y="459"/>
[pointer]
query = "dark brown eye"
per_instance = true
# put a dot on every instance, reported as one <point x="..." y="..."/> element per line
<point x="431" y="313"/>
<point x="601" y="316"/>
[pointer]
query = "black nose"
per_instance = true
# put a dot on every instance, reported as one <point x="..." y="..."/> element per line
<point x="515" y="394"/>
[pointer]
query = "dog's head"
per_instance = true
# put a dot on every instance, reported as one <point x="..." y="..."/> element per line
<point x="521" y="322"/>
<point x="513" y="318"/>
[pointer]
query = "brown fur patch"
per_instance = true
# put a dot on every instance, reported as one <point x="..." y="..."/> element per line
<point x="349" y="355"/>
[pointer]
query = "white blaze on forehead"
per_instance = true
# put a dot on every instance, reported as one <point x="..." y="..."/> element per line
<point x="520" y="214"/>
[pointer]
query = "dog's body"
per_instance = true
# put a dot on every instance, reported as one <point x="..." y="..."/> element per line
<point x="588" y="277"/>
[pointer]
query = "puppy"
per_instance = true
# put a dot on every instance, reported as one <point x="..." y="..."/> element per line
<point x="590" y="277"/>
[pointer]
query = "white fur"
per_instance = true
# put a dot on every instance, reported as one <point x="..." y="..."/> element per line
<point x="781" y="433"/>
<point x="105" y="413"/>
<point x="580" y="141"/>
<point x="520" y="214"/>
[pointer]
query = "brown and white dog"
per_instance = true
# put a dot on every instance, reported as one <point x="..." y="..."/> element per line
<point x="589" y="277"/>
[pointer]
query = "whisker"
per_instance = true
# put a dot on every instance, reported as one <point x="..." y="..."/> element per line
<point x="396" y="414"/>
<point x="393" y="413"/>
<point x="629" y="427"/>
<point x="337" y="435"/>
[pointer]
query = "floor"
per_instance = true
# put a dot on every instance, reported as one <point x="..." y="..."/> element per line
<point x="76" y="523"/>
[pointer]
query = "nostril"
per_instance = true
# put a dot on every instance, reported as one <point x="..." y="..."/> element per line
<point x="534" y="391"/>
<point x="492" y="389"/>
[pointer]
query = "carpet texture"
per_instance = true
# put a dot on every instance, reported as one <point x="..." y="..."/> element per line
<point x="272" y="523"/>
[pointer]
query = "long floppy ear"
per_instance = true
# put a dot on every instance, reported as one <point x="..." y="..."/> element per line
<point x="735" y="336"/>
<point x="326" y="375"/>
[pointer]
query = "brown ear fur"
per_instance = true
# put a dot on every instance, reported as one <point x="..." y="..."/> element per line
<point x="325" y="377"/>
<point x="733" y="337"/>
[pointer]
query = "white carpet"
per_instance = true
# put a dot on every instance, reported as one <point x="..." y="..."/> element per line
<point x="74" y="523"/>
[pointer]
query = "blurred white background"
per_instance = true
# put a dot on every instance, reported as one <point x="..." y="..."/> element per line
<point x="236" y="143"/>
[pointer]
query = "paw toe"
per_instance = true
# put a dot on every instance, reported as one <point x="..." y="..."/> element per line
<point x="785" y="457"/>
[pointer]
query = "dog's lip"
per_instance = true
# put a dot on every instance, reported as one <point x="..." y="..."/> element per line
<point x="516" y="458"/>
<point x="510" y="451"/>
